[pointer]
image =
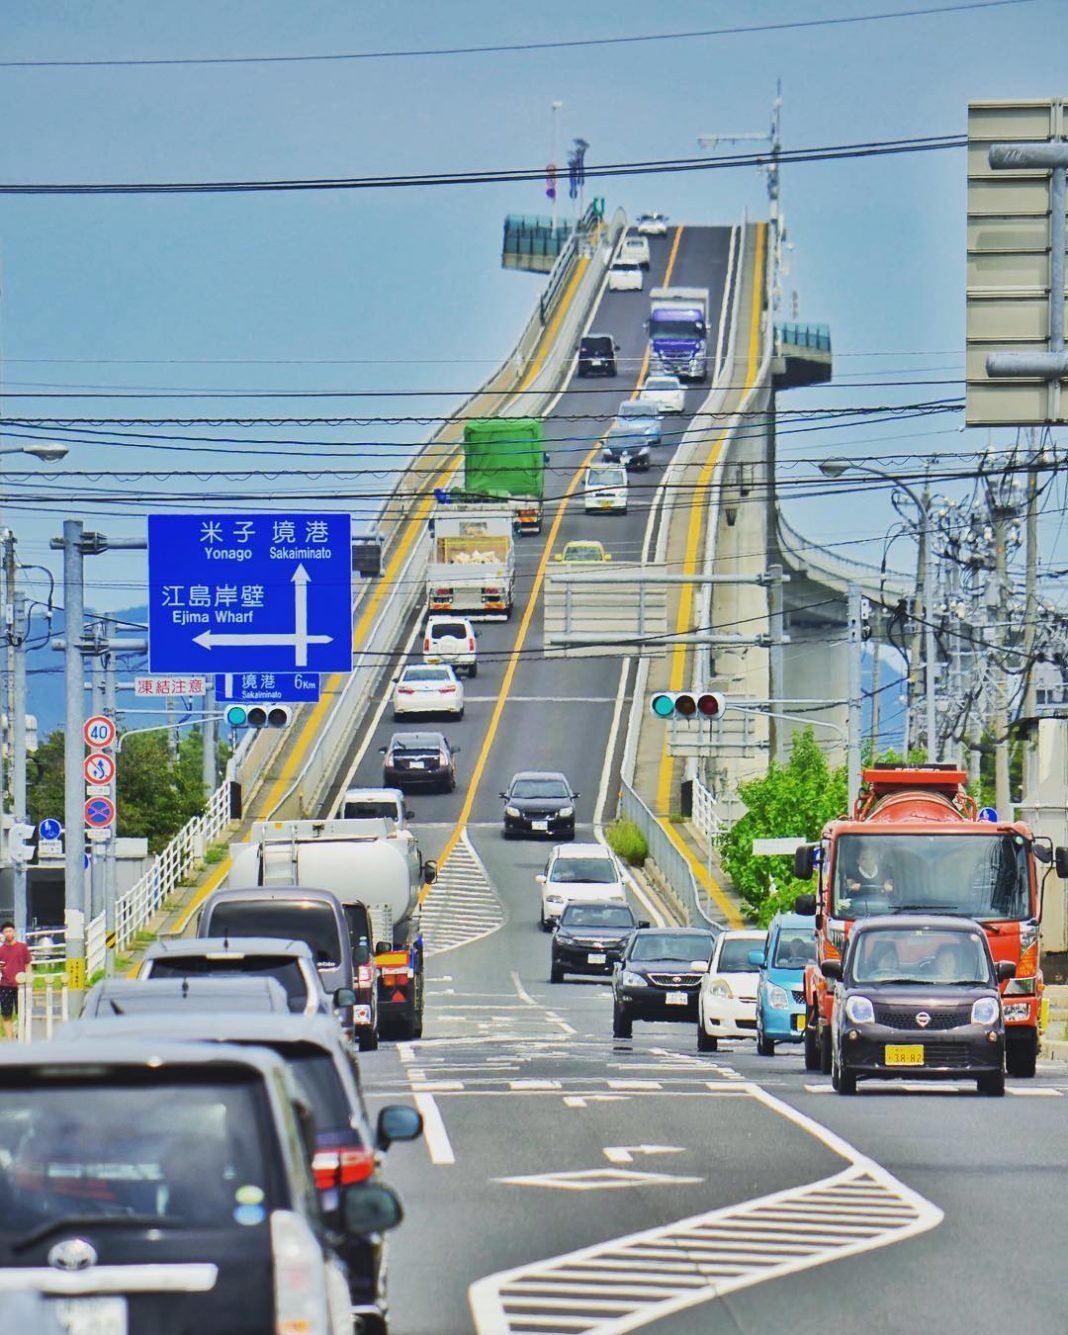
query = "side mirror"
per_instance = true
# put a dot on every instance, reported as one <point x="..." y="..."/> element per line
<point x="831" y="969"/>
<point x="756" y="958"/>
<point x="574" y="795"/>
<point x="397" y="1122"/>
<point x="430" y="872"/>
<point x="804" y="861"/>
<point x="644" y="922"/>
<point x="504" y="795"/>
<point x="1060" y="858"/>
<point x="1041" y="852"/>
<point x="371" y="1208"/>
<point x="558" y="556"/>
<point x="362" y="952"/>
<point x="1006" y="970"/>
<point x="541" y="878"/>
<point x="608" y="556"/>
<point x="383" y="947"/>
<point x="455" y="749"/>
<point x="805" y="905"/>
<point x="344" y="996"/>
<point x="699" y="966"/>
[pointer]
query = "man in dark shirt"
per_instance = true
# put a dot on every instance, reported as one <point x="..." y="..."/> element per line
<point x="15" y="962"/>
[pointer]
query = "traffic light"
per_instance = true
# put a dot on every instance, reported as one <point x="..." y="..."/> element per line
<point x="259" y="716"/>
<point x="708" y="705"/>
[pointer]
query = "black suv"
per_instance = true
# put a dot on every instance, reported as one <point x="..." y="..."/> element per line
<point x="656" y="978"/>
<point x="539" y="802"/>
<point x="167" y="1187"/>
<point x="916" y="997"/>
<point x="590" y="938"/>
<point x="418" y="759"/>
<point x="597" y="354"/>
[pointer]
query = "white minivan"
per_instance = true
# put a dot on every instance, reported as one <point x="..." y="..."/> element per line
<point x="451" y="639"/>
<point x="579" y="873"/>
<point x="635" y="249"/>
<point x="605" y="489"/>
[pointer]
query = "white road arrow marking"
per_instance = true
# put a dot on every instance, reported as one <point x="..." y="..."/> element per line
<point x="597" y="1179"/>
<point x="626" y="1153"/>
<point x="298" y="640"/>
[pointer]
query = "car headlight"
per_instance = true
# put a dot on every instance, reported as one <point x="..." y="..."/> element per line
<point x="554" y="899"/>
<point x="859" y="1010"/>
<point x="564" y="939"/>
<point x="721" y="988"/>
<point x="566" y="811"/>
<point x="629" y="979"/>
<point x="777" y="998"/>
<point x="512" y="811"/>
<point x="986" y="1011"/>
<point x="1018" y="1010"/>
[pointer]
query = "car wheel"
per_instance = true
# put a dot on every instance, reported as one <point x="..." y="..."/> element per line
<point x="546" y="924"/>
<point x="367" y="1040"/>
<point x="992" y="1084"/>
<point x="450" y="787"/>
<point x="847" y="1082"/>
<point x="1021" y="1056"/>
<point x="622" y="1025"/>
<point x="556" y="974"/>
<point x="812" y="1048"/>
<point x="506" y="833"/>
<point x="396" y="717"/>
<point x="460" y="714"/>
<point x="472" y="671"/>
<point x="825" y="1051"/>
<point x="706" y="1042"/>
<point x="765" y="1046"/>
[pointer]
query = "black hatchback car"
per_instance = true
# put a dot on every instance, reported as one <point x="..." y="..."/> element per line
<point x="917" y="997"/>
<point x="597" y="354"/>
<point x="418" y="760"/>
<point x="659" y="976"/>
<point x="590" y="938"/>
<point x="539" y="802"/>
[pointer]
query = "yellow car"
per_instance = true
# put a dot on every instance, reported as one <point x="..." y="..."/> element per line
<point x="583" y="552"/>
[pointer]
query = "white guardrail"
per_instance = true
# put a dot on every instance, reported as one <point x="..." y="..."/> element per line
<point x="145" y="899"/>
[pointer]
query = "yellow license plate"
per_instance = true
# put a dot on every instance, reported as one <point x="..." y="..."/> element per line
<point x="799" y="1022"/>
<point x="904" y="1054"/>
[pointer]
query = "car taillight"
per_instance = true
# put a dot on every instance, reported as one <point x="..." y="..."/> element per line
<point x="426" y="646"/>
<point x="471" y="643"/>
<point x="405" y="690"/>
<point x="448" y="690"/>
<point x="365" y="975"/>
<point x="299" y="1282"/>
<point x="342" y="1167"/>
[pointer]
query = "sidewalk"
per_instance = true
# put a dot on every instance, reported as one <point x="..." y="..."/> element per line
<point x="1055" y="1039"/>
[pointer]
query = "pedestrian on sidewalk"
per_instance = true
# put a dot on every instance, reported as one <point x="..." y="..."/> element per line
<point x="15" y="964"/>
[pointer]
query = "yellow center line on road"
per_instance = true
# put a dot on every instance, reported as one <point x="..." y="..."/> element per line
<point x="683" y="622"/>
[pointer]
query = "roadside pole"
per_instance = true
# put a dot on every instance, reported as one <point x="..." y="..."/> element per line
<point x="73" y="753"/>
<point x="96" y="850"/>
<point x="208" y="737"/>
<point x="18" y="759"/>
<point x="110" y="861"/>
<point x="856" y="641"/>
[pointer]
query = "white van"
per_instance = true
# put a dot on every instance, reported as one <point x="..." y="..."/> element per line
<point x="605" y="489"/>
<point x="625" y="276"/>
<point x="635" y="249"/>
<point x="579" y="873"/>
<point x="451" y="639"/>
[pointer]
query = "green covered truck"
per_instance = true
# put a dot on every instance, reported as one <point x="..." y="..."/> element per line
<point x="504" y="461"/>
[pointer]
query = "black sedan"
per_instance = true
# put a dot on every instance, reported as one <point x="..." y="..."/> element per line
<point x="590" y="938"/>
<point x="659" y="976"/>
<point x="539" y="802"/>
<point x="419" y="759"/>
<point x="917" y="998"/>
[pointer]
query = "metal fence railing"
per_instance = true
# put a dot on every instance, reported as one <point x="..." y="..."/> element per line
<point x="43" y="1003"/>
<point x="672" y="863"/>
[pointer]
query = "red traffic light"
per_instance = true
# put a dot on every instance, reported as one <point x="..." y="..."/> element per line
<point x="711" y="704"/>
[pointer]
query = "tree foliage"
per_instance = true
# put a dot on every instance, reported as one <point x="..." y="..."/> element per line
<point x="794" y="800"/>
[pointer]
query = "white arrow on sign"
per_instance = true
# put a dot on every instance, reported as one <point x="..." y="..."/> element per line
<point x="626" y="1153"/>
<point x="299" y="640"/>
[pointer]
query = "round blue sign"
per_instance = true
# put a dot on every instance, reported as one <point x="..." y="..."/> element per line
<point x="988" y="813"/>
<point x="51" y="828"/>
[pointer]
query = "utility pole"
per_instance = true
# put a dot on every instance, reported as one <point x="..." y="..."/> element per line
<point x="96" y="852"/>
<point x="1030" y="627"/>
<point x="931" y="665"/>
<point x="73" y="548"/>
<point x="856" y="643"/>
<point x="111" y="870"/>
<point x="776" y="676"/>
<point x="1000" y="721"/>
<point x="19" y="631"/>
<point x="209" y="735"/>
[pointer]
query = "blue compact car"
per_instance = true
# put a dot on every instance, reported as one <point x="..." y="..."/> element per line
<point x="780" y="1006"/>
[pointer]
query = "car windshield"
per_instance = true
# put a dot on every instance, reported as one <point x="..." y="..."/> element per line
<point x="606" y="477"/>
<point x="321" y="1082"/>
<point x="284" y="920"/>
<point x="671" y="946"/>
<point x="920" y="955"/>
<point x="286" y="971"/>
<point x="157" y="1143"/>
<point x="984" y="877"/>
<point x="795" y="949"/>
<point x="426" y="674"/>
<point x="573" y="871"/>
<point x="366" y="808"/>
<point x="734" y="954"/>
<point x="153" y="1001"/>
<point x="582" y="552"/>
<point x="540" y="788"/>
<point x="596" y="915"/>
<point x="678" y="327"/>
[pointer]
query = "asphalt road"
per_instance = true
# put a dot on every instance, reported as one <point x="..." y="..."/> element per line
<point x="901" y="1209"/>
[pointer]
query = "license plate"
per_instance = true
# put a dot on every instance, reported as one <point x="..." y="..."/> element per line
<point x="676" y="999"/>
<point x="799" y="1023"/>
<point x="539" y="825"/>
<point x="904" y="1054"/>
<point x="416" y="764"/>
<point x="596" y="959"/>
<point x="361" y="1015"/>
<point x="607" y="505"/>
<point x="90" y="1316"/>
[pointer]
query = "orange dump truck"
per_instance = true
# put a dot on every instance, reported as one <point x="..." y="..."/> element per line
<point x="916" y="843"/>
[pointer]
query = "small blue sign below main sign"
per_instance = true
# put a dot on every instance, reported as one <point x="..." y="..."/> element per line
<point x="50" y="828"/>
<point x="282" y="688"/>
<point x="250" y="593"/>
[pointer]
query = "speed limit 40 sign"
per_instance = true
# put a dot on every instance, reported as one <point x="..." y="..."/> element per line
<point x="98" y="731"/>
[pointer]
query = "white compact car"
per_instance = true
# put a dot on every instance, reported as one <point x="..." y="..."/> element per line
<point x="726" y="1003"/>
<point x="652" y="224"/>
<point x="625" y="276"/>
<point x="579" y="873"/>
<point x="634" y="249"/>
<point x="425" y="689"/>
<point x="665" y="391"/>
<point x="605" y="489"/>
<point x="451" y="639"/>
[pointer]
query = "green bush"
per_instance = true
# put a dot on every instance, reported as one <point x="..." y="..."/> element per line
<point x="215" y="854"/>
<point x="627" y="842"/>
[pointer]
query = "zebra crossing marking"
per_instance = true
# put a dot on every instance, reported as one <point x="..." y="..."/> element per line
<point x="462" y="905"/>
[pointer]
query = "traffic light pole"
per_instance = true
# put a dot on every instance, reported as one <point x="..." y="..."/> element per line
<point x="19" y="630"/>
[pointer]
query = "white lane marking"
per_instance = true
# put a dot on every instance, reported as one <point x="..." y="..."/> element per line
<point x="1035" y="1093"/>
<point x="629" y="1282"/>
<point x="534" y="1084"/>
<point x="550" y="1016"/>
<point x="405" y="1052"/>
<point x="434" y="1133"/>
<point x="723" y="306"/>
<point x="610" y="749"/>
<point x="438" y="1086"/>
<point x="634" y="1084"/>
<point x="541" y="699"/>
<point x="376" y="718"/>
<point x="596" y="1179"/>
<point x="626" y="1153"/>
<point x="521" y="991"/>
<point x="462" y="905"/>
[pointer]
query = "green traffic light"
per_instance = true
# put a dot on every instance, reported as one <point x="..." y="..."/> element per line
<point x="663" y="706"/>
<point x="237" y="716"/>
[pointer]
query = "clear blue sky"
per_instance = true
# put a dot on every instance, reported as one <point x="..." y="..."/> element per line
<point x="402" y="290"/>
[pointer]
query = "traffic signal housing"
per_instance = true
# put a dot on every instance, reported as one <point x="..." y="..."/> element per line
<point x="706" y="705"/>
<point x="259" y="716"/>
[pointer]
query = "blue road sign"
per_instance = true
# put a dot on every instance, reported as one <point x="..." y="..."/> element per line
<point x="99" y="812"/>
<point x="289" y="688"/>
<point x="51" y="828"/>
<point x="249" y="593"/>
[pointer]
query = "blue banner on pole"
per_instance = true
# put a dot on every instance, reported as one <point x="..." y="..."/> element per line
<point x="250" y="593"/>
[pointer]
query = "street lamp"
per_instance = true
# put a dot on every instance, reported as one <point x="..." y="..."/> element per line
<point x="49" y="452"/>
<point x="834" y="468"/>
